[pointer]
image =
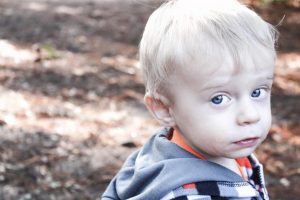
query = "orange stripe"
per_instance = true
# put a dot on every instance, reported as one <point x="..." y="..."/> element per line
<point x="244" y="162"/>
<point x="189" y="186"/>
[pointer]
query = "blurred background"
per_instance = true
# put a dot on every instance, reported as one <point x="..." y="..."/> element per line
<point x="71" y="96"/>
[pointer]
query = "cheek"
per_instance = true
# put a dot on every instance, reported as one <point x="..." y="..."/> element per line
<point x="268" y="123"/>
<point x="185" y="111"/>
<point x="266" y="117"/>
<point x="204" y="119"/>
<point x="204" y="128"/>
<point x="197" y="118"/>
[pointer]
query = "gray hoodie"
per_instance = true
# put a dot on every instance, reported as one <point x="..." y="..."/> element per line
<point x="161" y="166"/>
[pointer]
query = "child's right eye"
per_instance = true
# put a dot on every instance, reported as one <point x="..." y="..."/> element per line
<point x="219" y="99"/>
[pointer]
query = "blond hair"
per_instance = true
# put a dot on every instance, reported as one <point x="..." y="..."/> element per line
<point x="180" y="31"/>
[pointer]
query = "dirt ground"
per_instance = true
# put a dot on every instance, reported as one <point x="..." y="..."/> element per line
<point x="71" y="106"/>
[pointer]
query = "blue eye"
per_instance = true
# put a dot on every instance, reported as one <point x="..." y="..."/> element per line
<point x="217" y="99"/>
<point x="220" y="99"/>
<point x="256" y="93"/>
<point x="260" y="93"/>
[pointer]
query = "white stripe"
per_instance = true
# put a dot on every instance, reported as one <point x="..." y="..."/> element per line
<point x="246" y="191"/>
<point x="198" y="197"/>
<point x="170" y="195"/>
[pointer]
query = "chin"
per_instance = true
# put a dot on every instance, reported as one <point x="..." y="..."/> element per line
<point x="240" y="153"/>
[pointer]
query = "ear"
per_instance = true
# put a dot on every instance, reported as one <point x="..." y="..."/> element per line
<point x="159" y="109"/>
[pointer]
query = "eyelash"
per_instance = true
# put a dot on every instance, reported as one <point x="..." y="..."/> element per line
<point x="218" y="99"/>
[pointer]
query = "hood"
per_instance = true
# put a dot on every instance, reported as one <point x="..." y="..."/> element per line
<point x="160" y="167"/>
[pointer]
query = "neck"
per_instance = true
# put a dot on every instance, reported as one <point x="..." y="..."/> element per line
<point x="227" y="162"/>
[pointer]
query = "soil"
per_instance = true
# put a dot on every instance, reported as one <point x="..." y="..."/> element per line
<point x="71" y="97"/>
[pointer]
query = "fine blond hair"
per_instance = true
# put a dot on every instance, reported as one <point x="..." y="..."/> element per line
<point x="208" y="31"/>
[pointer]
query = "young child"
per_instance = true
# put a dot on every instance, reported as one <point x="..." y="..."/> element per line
<point x="208" y="69"/>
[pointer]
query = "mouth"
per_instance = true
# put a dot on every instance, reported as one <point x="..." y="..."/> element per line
<point x="248" y="142"/>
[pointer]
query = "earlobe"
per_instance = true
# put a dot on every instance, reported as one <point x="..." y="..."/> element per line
<point x="159" y="110"/>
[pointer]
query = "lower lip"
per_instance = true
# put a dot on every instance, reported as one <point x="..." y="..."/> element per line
<point x="247" y="142"/>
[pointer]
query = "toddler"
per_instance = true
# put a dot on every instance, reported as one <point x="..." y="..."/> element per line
<point x="208" y="70"/>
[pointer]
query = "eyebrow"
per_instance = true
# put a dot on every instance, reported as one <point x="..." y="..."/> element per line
<point x="215" y="86"/>
<point x="269" y="78"/>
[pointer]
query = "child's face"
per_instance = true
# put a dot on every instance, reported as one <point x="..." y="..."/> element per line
<point x="223" y="112"/>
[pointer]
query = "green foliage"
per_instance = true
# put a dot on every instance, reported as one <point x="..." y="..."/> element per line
<point x="51" y="52"/>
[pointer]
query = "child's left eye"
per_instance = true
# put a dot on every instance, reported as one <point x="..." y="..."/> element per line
<point x="259" y="92"/>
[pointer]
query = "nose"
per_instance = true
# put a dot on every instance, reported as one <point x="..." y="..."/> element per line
<point x="247" y="113"/>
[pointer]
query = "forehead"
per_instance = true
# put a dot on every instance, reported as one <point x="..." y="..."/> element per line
<point x="257" y="59"/>
<point x="219" y="69"/>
